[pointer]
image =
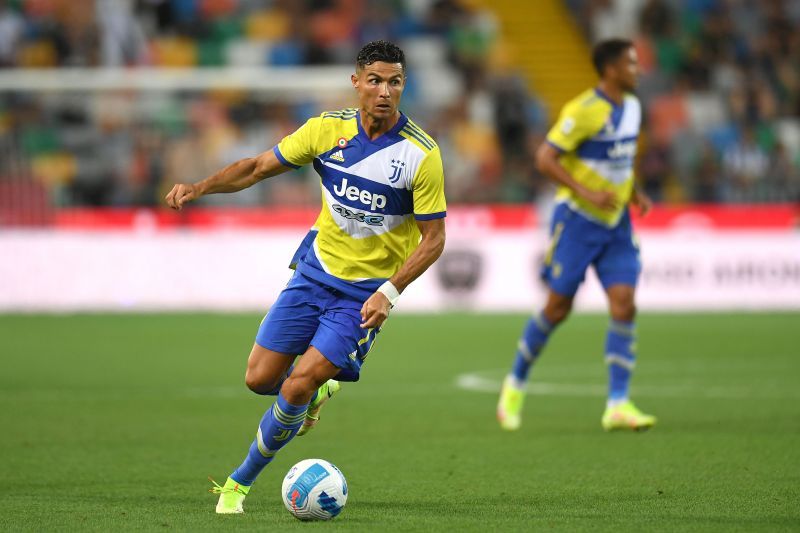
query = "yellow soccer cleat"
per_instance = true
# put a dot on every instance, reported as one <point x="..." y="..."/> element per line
<point x="626" y="416"/>
<point x="231" y="496"/>
<point x="328" y="389"/>
<point x="509" y="408"/>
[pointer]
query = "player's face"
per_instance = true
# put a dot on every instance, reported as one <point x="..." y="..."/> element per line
<point x="379" y="86"/>
<point x="627" y="70"/>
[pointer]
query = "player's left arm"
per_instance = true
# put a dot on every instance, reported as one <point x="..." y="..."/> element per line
<point x="639" y="198"/>
<point x="430" y="208"/>
<point x="376" y="309"/>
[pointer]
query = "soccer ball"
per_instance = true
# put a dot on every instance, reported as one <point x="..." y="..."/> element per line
<point x="314" y="489"/>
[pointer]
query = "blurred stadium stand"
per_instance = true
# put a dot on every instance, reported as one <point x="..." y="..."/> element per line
<point x="722" y="90"/>
<point x="721" y="87"/>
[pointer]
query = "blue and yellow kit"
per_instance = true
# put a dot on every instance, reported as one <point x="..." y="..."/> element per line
<point x="597" y="139"/>
<point x="373" y="191"/>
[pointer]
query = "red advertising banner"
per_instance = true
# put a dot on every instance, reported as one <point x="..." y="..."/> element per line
<point x="717" y="217"/>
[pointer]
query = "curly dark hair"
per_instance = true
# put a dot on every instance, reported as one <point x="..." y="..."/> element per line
<point x="380" y="51"/>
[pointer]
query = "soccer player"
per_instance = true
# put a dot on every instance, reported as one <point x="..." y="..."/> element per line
<point x="589" y="153"/>
<point x="381" y="226"/>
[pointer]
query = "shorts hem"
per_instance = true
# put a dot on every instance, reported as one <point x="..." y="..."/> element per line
<point x="607" y="283"/>
<point x="287" y="353"/>
<point x="561" y="292"/>
<point x="346" y="373"/>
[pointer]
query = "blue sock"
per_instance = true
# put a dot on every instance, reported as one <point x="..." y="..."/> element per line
<point x="620" y="358"/>
<point x="279" y="426"/>
<point x="533" y="340"/>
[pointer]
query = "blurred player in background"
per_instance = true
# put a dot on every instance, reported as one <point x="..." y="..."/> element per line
<point x="381" y="226"/>
<point x="589" y="153"/>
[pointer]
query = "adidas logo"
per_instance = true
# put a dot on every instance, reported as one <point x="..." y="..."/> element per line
<point x="337" y="156"/>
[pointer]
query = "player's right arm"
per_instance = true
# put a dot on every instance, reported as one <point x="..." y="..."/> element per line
<point x="235" y="177"/>
<point x="548" y="164"/>
<point x="293" y="151"/>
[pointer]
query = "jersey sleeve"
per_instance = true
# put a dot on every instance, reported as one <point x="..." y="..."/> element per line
<point x="299" y="148"/>
<point x="428" y="188"/>
<point x="575" y="124"/>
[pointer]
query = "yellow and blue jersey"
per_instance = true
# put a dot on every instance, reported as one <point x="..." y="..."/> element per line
<point x="597" y="139"/>
<point x="373" y="192"/>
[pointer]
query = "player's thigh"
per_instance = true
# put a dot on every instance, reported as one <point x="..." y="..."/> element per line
<point x="312" y="370"/>
<point x="292" y="321"/>
<point x="557" y="307"/>
<point x="266" y="368"/>
<point x="622" y="302"/>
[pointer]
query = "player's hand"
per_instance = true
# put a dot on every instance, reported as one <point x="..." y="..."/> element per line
<point x="642" y="201"/>
<point x="375" y="310"/>
<point x="605" y="200"/>
<point x="181" y="194"/>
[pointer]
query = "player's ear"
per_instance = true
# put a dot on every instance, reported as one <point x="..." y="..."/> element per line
<point x="354" y="80"/>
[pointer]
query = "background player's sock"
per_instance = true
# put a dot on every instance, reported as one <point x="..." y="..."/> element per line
<point x="279" y="426"/>
<point x="620" y="358"/>
<point x="533" y="339"/>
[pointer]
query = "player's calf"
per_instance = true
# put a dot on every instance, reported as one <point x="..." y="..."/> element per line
<point x="324" y="393"/>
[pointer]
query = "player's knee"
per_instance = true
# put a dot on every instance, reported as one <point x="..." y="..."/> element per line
<point x="555" y="313"/>
<point x="259" y="383"/>
<point x="560" y="315"/>
<point x="298" y="389"/>
<point x="623" y="310"/>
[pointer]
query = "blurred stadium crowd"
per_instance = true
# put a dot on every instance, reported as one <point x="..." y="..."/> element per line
<point x="721" y="88"/>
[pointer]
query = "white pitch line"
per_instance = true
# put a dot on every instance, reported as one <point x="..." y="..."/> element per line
<point x="477" y="383"/>
<point x="489" y="381"/>
<point x="484" y="381"/>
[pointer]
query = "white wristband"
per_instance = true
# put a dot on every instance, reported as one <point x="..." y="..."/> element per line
<point x="390" y="291"/>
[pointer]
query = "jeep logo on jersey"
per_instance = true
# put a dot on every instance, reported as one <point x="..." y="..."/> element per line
<point x="354" y="194"/>
<point x="370" y="220"/>
<point x="622" y="149"/>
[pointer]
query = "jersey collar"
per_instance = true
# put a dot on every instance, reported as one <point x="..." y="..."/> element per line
<point x="386" y="138"/>
<point x="605" y="97"/>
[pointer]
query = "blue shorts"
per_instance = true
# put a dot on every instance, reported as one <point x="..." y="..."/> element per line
<point x="576" y="242"/>
<point x="308" y="313"/>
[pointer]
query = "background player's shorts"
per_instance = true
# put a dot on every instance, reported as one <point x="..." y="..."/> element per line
<point x="577" y="242"/>
<point x="308" y="313"/>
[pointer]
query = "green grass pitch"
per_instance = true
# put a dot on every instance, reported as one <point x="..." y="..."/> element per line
<point x="114" y="422"/>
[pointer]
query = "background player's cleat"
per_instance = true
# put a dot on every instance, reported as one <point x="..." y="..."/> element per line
<point x="328" y="389"/>
<point x="231" y="496"/>
<point x="626" y="416"/>
<point x="509" y="408"/>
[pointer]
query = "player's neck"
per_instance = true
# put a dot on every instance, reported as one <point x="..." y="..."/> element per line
<point x="375" y="127"/>
<point x="612" y="91"/>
